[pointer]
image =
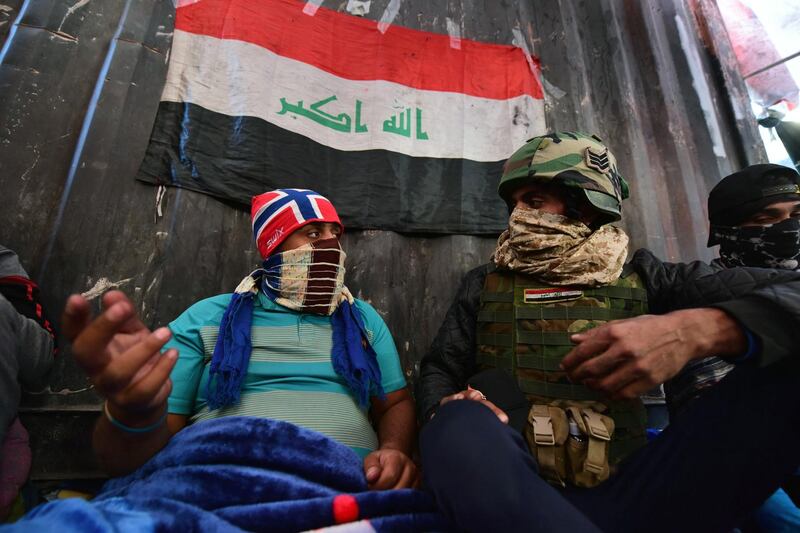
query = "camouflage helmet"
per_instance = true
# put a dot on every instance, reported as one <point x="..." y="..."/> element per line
<point x="571" y="159"/>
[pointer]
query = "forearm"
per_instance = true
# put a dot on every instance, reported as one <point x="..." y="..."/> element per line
<point x="775" y="326"/>
<point x="397" y="427"/>
<point x="710" y="331"/>
<point x="120" y="452"/>
<point x="390" y="466"/>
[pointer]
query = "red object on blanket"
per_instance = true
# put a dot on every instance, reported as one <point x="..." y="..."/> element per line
<point x="345" y="509"/>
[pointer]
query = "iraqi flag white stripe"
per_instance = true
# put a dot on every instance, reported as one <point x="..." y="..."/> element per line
<point x="241" y="79"/>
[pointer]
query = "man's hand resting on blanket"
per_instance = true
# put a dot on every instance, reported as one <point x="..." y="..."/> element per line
<point x="389" y="469"/>
<point x="121" y="357"/>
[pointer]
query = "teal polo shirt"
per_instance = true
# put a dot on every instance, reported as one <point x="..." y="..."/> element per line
<point x="290" y="375"/>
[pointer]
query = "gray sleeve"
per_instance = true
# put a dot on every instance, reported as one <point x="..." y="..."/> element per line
<point x="9" y="263"/>
<point x="9" y="365"/>
<point x="26" y="342"/>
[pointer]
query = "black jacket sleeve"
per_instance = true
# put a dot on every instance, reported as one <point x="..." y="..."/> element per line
<point x="764" y="301"/>
<point x="451" y="359"/>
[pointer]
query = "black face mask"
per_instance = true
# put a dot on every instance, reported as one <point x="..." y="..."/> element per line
<point x="774" y="246"/>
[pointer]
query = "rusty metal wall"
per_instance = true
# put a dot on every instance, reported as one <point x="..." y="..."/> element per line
<point x="80" y="81"/>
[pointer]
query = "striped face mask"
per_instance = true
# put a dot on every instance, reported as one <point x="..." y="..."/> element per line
<point x="308" y="279"/>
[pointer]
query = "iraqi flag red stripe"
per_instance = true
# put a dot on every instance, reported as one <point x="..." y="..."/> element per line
<point x="354" y="48"/>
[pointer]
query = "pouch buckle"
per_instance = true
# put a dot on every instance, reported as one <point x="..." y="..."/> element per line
<point x="595" y="426"/>
<point x="543" y="431"/>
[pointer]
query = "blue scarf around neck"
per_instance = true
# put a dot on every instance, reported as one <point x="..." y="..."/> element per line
<point x="353" y="357"/>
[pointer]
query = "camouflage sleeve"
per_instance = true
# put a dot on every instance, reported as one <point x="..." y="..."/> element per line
<point x="451" y="359"/>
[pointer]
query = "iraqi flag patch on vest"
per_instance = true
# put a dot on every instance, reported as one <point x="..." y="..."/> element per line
<point x="556" y="294"/>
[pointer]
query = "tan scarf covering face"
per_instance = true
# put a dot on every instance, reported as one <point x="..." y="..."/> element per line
<point x="561" y="251"/>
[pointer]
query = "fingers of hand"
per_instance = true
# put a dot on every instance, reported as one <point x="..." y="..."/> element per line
<point x="409" y="476"/>
<point x="133" y="324"/>
<point x="584" y="335"/>
<point x="75" y="317"/>
<point x="372" y="467"/>
<point x="590" y="343"/>
<point x="468" y="394"/>
<point x="474" y="394"/>
<point x="497" y="411"/>
<point x="597" y="367"/>
<point x="390" y="474"/>
<point x="112" y="297"/>
<point x="634" y="371"/>
<point x="152" y="389"/>
<point x="391" y="470"/>
<point x="123" y="369"/>
<point x="90" y="346"/>
<point x="457" y="396"/>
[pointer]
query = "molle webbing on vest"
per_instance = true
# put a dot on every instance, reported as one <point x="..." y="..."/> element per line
<point x="524" y="327"/>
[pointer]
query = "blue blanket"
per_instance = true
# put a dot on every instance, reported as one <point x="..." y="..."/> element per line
<point x="242" y="473"/>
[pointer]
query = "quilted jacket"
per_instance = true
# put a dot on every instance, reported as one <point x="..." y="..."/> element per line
<point x="765" y="301"/>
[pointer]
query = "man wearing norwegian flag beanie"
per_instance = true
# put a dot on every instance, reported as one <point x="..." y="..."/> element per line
<point x="290" y="344"/>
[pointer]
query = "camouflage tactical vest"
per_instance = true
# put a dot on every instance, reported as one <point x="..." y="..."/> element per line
<point x="524" y="327"/>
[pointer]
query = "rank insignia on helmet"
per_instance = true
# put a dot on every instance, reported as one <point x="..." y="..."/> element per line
<point x="598" y="160"/>
<point x="571" y="159"/>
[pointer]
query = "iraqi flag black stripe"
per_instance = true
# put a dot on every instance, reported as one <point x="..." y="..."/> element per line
<point x="236" y="157"/>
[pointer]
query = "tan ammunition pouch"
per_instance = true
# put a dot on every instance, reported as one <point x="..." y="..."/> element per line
<point x="563" y="459"/>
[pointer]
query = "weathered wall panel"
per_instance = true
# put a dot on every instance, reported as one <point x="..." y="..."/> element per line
<point x="70" y="207"/>
<point x="8" y="13"/>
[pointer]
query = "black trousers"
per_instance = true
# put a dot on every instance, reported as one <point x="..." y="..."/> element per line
<point x="706" y="472"/>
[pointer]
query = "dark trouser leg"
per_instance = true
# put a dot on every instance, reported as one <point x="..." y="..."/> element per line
<point x="485" y="479"/>
<point x="715" y="465"/>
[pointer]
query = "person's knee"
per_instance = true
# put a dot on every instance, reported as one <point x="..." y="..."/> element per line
<point x="463" y="432"/>
<point x="459" y="420"/>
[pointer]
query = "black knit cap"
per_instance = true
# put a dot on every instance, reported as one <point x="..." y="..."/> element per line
<point x="740" y="195"/>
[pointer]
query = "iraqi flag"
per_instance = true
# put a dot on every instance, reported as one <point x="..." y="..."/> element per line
<point x="403" y="130"/>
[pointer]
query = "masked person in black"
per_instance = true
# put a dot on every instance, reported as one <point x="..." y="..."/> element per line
<point x="755" y="218"/>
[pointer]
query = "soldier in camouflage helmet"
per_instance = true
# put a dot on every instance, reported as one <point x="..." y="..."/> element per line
<point x="574" y="160"/>
<point x="560" y="323"/>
